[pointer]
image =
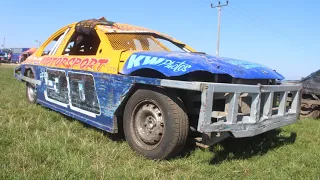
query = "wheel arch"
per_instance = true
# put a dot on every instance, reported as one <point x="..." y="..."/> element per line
<point x="144" y="72"/>
<point x="181" y="94"/>
<point x="120" y="110"/>
<point x="29" y="68"/>
<point x="148" y="72"/>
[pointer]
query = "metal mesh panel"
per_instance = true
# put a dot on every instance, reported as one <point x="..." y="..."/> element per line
<point x="143" y="42"/>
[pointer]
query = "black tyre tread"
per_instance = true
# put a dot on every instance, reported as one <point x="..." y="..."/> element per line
<point x="314" y="115"/>
<point x="182" y="120"/>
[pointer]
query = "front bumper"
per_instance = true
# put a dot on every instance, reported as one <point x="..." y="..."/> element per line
<point x="269" y="107"/>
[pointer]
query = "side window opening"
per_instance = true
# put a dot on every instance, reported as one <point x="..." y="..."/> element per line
<point x="52" y="47"/>
<point x="82" y="44"/>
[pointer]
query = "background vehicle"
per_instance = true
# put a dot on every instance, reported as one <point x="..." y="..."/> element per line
<point x="3" y="57"/>
<point x="16" y="54"/>
<point x="115" y="76"/>
<point x="310" y="105"/>
<point x="25" y="54"/>
<point x="7" y="54"/>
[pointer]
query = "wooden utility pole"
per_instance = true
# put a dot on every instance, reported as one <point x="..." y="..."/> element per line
<point x="219" y="7"/>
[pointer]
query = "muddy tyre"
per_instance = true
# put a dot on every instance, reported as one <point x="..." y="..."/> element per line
<point x="155" y="123"/>
<point x="315" y="114"/>
<point x="31" y="91"/>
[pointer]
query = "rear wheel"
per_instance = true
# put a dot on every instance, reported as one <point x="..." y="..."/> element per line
<point x="309" y="110"/>
<point x="312" y="114"/>
<point x="155" y="123"/>
<point x="31" y="91"/>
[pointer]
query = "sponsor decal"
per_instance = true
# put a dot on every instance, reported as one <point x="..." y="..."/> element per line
<point x="83" y="63"/>
<point x="141" y="60"/>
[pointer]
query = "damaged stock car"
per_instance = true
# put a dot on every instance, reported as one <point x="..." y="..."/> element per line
<point x="156" y="89"/>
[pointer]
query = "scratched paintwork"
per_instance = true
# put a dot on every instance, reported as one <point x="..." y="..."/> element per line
<point x="61" y="92"/>
<point x="110" y="89"/>
<point x="83" y="92"/>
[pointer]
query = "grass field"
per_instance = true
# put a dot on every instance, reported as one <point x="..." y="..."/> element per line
<point x="37" y="143"/>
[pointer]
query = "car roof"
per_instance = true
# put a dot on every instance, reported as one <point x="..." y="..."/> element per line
<point x="116" y="27"/>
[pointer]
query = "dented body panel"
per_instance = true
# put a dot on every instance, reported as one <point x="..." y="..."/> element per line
<point x="180" y="63"/>
<point x="109" y="89"/>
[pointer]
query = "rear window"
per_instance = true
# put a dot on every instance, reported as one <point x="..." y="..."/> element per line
<point x="143" y="42"/>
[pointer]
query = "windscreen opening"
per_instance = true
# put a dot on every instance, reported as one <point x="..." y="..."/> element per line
<point x="140" y="42"/>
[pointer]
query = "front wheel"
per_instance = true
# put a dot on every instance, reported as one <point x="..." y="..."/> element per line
<point x="155" y="123"/>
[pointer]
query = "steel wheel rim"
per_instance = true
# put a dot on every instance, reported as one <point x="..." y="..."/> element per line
<point x="147" y="124"/>
<point x="31" y="92"/>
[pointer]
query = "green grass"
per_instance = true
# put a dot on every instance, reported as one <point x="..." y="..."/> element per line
<point x="37" y="143"/>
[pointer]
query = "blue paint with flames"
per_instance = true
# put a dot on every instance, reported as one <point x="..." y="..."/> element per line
<point x="110" y="89"/>
<point x="179" y="63"/>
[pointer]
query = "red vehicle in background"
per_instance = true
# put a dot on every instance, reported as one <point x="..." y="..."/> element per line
<point x="25" y="54"/>
<point x="15" y="55"/>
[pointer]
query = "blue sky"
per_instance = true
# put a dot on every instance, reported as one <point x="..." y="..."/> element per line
<point x="284" y="35"/>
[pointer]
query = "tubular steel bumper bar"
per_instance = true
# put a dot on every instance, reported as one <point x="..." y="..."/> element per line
<point x="263" y="115"/>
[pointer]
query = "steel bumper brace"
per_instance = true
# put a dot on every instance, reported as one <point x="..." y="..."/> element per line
<point x="262" y="117"/>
